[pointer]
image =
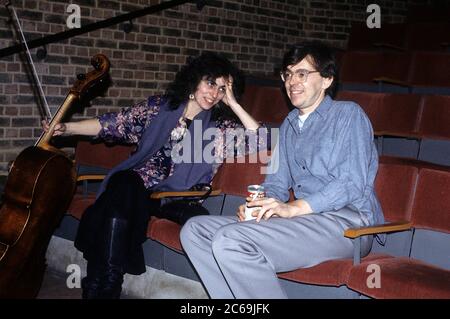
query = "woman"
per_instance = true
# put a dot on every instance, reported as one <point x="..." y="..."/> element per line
<point x="112" y="230"/>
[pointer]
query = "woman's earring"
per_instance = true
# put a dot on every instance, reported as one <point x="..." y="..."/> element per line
<point x="191" y="96"/>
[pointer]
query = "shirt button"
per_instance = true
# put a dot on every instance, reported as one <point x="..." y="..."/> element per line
<point x="303" y="167"/>
<point x="299" y="186"/>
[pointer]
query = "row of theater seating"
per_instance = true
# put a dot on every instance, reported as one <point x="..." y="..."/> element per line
<point x="414" y="262"/>
<point x="396" y="114"/>
<point x="402" y="72"/>
<point x="407" y="115"/>
<point x="425" y="36"/>
<point x="407" y="125"/>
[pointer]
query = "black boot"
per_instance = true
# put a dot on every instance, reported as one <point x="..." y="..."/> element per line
<point x="91" y="283"/>
<point x="112" y="283"/>
<point x="116" y="245"/>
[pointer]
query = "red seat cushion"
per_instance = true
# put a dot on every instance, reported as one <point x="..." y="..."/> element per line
<point x="79" y="204"/>
<point x="329" y="273"/>
<point x="161" y="230"/>
<point x="403" y="278"/>
<point x="165" y="232"/>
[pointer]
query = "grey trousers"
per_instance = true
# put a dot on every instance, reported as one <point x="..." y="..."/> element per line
<point x="241" y="259"/>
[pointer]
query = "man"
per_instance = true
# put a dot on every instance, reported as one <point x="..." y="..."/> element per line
<point x="326" y="155"/>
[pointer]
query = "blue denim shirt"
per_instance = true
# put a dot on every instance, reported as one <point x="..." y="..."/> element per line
<point x="331" y="162"/>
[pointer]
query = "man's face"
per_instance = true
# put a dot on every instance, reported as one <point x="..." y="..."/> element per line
<point x="305" y="95"/>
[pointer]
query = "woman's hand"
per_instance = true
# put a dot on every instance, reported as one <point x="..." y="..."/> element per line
<point x="229" y="98"/>
<point x="59" y="129"/>
<point x="89" y="127"/>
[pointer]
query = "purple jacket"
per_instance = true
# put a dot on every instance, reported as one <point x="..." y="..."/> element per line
<point x="155" y="136"/>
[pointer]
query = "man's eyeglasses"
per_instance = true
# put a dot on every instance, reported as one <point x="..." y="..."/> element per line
<point x="301" y="74"/>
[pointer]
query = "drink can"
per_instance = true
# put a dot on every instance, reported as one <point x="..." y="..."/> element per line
<point x="255" y="192"/>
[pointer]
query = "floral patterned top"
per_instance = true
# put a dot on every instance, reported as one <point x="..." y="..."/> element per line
<point x="128" y="125"/>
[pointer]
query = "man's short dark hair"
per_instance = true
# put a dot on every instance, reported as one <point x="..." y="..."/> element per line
<point x="322" y="58"/>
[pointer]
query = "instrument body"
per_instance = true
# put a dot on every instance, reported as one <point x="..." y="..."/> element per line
<point x="38" y="191"/>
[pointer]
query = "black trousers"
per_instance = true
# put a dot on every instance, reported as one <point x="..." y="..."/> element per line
<point x="125" y="197"/>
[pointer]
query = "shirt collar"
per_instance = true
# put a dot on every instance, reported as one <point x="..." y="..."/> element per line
<point x="324" y="106"/>
<point x="321" y="110"/>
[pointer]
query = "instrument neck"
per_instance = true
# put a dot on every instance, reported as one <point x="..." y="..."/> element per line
<point x="44" y="140"/>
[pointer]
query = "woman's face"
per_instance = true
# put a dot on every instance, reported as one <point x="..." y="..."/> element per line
<point x="209" y="92"/>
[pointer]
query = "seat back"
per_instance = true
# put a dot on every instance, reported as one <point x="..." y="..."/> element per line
<point x="428" y="36"/>
<point x="395" y="119"/>
<point x="395" y="185"/>
<point x="390" y="113"/>
<point x="435" y="130"/>
<point x="363" y="38"/>
<point x="435" y="120"/>
<point x="431" y="217"/>
<point x="100" y="155"/>
<point x="94" y="159"/>
<point x="235" y="175"/>
<point x="429" y="72"/>
<point x="248" y="100"/>
<point x="363" y="67"/>
<point x="266" y="104"/>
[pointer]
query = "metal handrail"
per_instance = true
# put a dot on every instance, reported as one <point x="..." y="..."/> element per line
<point x="97" y="25"/>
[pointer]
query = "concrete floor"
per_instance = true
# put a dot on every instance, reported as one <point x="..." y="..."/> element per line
<point x="153" y="284"/>
<point x="66" y="267"/>
<point x="54" y="286"/>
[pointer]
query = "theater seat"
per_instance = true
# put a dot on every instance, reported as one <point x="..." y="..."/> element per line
<point x="425" y="273"/>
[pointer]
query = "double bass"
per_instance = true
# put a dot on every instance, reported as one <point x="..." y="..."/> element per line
<point x="38" y="191"/>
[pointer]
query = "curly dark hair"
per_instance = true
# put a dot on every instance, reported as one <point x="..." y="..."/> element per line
<point x="210" y="65"/>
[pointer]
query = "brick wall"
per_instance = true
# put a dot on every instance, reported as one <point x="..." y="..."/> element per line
<point x="252" y="33"/>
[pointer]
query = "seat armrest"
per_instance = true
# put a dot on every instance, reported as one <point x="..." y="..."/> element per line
<point x="394" y="47"/>
<point x="411" y="135"/>
<point x="391" y="81"/>
<point x="81" y="178"/>
<point x="377" y="229"/>
<point x="158" y="195"/>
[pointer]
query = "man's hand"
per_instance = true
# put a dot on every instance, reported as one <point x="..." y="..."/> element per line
<point x="240" y="213"/>
<point x="273" y="207"/>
